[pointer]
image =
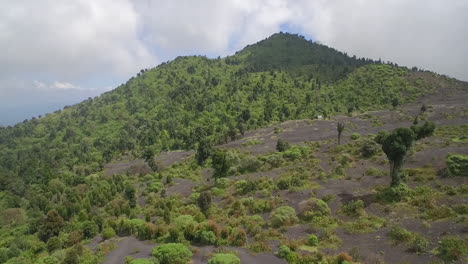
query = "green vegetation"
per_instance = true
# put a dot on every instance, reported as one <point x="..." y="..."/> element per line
<point x="414" y="241"/>
<point x="398" y="143"/>
<point x="283" y="216"/>
<point x="95" y="168"/>
<point x="141" y="261"/>
<point x="224" y="258"/>
<point x="452" y="248"/>
<point x="172" y="253"/>
<point x="457" y="165"/>
<point x="340" y="127"/>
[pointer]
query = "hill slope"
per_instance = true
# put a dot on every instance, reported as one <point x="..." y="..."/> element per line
<point x="51" y="168"/>
<point x="175" y="105"/>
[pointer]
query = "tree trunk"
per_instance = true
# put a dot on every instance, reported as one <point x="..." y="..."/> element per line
<point x="339" y="138"/>
<point x="395" y="172"/>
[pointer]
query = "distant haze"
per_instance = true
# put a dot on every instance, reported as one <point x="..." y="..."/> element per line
<point x="55" y="53"/>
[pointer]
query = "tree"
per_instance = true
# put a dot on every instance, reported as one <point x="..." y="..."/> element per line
<point x="51" y="225"/>
<point x="90" y="229"/>
<point x="395" y="102"/>
<point x="204" y="151"/>
<point x="423" y="108"/>
<point x="340" y="127"/>
<point x="130" y="195"/>
<point x="397" y="144"/>
<point x="220" y="164"/>
<point x="204" y="201"/>
<point x="148" y="155"/>
<point x="71" y="257"/>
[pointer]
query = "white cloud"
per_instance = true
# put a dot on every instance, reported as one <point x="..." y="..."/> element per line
<point x="429" y="33"/>
<point x="71" y="38"/>
<point x="78" y="45"/>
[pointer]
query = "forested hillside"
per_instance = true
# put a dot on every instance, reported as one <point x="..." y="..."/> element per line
<point x="51" y="166"/>
<point x="178" y="104"/>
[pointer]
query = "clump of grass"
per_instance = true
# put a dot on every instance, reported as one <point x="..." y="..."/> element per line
<point x="421" y="174"/>
<point x="252" y="142"/>
<point x="376" y="172"/>
<point x="364" y="225"/>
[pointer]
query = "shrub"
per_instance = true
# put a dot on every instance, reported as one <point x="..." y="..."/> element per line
<point x="205" y="237"/>
<point x="156" y="187"/>
<point x="452" y="248"/>
<point x="172" y="253"/>
<point x="419" y="244"/>
<point x="283" y="216"/>
<point x="369" y="148"/>
<point x="313" y="207"/>
<point x="355" y="136"/>
<point x="54" y="243"/>
<point x="354" y="208"/>
<point x="457" y="165"/>
<point x="416" y="242"/>
<point x="222" y="183"/>
<point x="364" y="225"/>
<point x="224" y="258"/>
<point x="313" y="240"/>
<point x="108" y="232"/>
<point x="141" y="261"/>
<point x="394" y="194"/>
<point x="282" y="145"/>
<point x="399" y="234"/>
<point x="344" y="258"/>
<point x="284" y="251"/>
<point x="90" y="229"/>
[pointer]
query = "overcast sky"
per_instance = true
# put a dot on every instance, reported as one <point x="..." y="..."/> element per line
<point x="54" y="53"/>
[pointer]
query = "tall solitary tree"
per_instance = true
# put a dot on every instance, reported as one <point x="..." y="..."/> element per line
<point x="204" y="201"/>
<point x="220" y="164"/>
<point x="397" y="144"/>
<point x="340" y="127"/>
<point x="204" y="151"/>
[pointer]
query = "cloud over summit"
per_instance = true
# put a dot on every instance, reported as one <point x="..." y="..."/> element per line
<point x="94" y="44"/>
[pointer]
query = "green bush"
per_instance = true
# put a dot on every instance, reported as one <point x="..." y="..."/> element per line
<point x="90" y="229"/>
<point x="54" y="243"/>
<point x="394" y="194"/>
<point x="400" y="235"/>
<point x="108" y="232"/>
<point x="457" y="165"/>
<point x="313" y="207"/>
<point x="155" y="187"/>
<point x="355" y="136"/>
<point x="282" y="145"/>
<point x="452" y="248"/>
<point x="415" y="242"/>
<point x="172" y="253"/>
<point x="284" y="251"/>
<point x="224" y="258"/>
<point x="354" y="208"/>
<point x="313" y="240"/>
<point x="205" y="237"/>
<point x="419" y="244"/>
<point x="142" y="261"/>
<point x="283" y="216"/>
<point x="369" y="148"/>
